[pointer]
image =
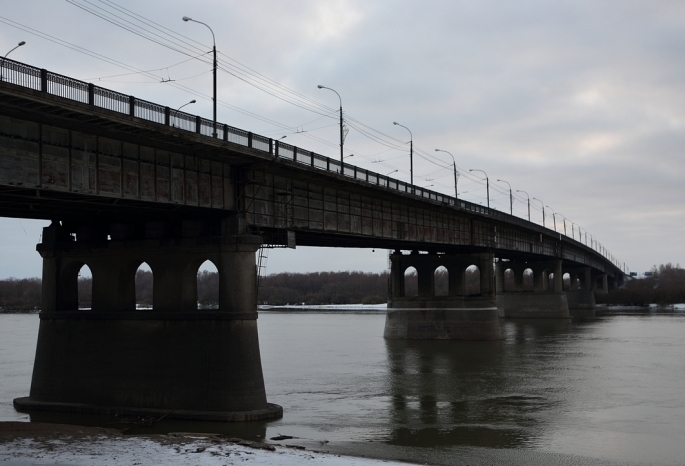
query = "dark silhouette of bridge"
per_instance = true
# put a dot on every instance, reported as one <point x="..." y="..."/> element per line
<point x="126" y="181"/>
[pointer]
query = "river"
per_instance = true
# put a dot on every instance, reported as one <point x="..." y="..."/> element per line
<point x="609" y="391"/>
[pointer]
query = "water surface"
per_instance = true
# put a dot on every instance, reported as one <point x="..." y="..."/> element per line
<point x="610" y="391"/>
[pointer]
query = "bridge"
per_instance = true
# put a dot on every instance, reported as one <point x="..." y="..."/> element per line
<point x="126" y="181"/>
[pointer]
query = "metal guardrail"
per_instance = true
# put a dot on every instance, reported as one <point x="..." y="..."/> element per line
<point x="30" y="77"/>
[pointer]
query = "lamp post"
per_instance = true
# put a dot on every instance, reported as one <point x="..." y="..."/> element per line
<point x="573" y="235"/>
<point x="543" y="210"/>
<point x="562" y="216"/>
<point x="520" y="191"/>
<point x="391" y="172"/>
<point x="487" y="183"/>
<point x="456" y="175"/>
<point x="342" y="138"/>
<point x="179" y="109"/>
<point x="554" y="216"/>
<point x="11" y="50"/>
<point x="411" y="155"/>
<point x="511" y="198"/>
<point x="186" y="19"/>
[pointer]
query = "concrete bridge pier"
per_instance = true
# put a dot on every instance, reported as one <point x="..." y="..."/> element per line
<point x="580" y="295"/>
<point x="536" y="301"/>
<point x="174" y="360"/>
<point x="466" y="312"/>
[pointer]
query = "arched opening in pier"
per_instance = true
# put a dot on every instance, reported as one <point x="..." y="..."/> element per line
<point x="509" y="284"/>
<point x="528" y="280"/>
<point x="441" y="281"/>
<point x="144" y="281"/>
<point x="208" y="286"/>
<point x="550" y="282"/>
<point x="411" y="282"/>
<point x="85" y="288"/>
<point x="472" y="280"/>
<point x="566" y="281"/>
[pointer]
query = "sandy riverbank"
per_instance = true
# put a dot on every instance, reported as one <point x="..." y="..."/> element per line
<point x="24" y="444"/>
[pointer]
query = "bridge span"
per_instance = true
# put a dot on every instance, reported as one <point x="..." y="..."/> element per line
<point x="126" y="181"/>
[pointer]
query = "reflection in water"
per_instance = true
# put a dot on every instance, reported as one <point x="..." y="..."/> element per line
<point x="466" y="393"/>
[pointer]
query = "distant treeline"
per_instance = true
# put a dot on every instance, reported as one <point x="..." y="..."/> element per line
<point x="277" y="289"/>
<point x="666" y="285"/>
<point x="282" y="288"/>
<point x="324" y="288"/>
<point x="20" y="294"/>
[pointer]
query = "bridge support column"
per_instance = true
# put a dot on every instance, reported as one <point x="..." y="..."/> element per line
<point x="535" y="303"/>
<point x="174" y="360"/>
<point x="468" y="312"/>
<point x="581" y="296"/>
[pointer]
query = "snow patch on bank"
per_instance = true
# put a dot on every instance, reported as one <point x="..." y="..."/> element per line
<point x="106" y="451"/>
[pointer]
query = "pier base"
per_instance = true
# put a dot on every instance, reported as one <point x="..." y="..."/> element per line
<point x="200" y="366"/>
<point x="533" y="305"/>
<point x="174" y="361"/>
<point x="464" y="313"/>
<point x="581" y="304"/>
<point x="443" y="324"/>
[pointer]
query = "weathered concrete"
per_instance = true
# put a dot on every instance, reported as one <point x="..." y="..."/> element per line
<point x="462" y="314"/>
<point x="581" y="292"/>
<point x="536" y="303"/>
<point x="527" y="305"/>
<point x="443" y="324"/>
<point x="174" y="360"/>
<point x="581" y="304"/>
<point x="202" y="365"/>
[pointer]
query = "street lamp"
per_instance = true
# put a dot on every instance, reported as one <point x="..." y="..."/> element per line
<point x="342" y="138"/>
<point x="186" y="19"/>
<point x="554" y="216"/>
<point x="511" y="198"/>
<point x="179" y="109"/>
<point x="562" y="216"/>
<point x="348" y="156"/>
<point x="520" y="191"/>
<point x="543" y="210"/>
<point x="456" y="175"/>
<point x="487" y="183"/>
<point x="11" y="50"/>
<point x="572" y="233"/>
<point x="391" y="172"/>
<point x="411" y="155"/>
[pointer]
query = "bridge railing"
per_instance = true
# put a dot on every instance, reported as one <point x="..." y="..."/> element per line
<point x="51" y="83"/>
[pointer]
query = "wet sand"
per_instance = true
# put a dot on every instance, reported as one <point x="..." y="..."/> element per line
<point x="33" y="443"/>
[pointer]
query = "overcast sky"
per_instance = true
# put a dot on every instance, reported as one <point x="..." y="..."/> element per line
<point x="580" y="103"/>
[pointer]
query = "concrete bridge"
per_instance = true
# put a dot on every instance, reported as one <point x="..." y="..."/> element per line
<point x="125" y="181"/>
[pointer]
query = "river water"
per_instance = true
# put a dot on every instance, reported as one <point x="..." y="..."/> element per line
<point x="609" y="391"/>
